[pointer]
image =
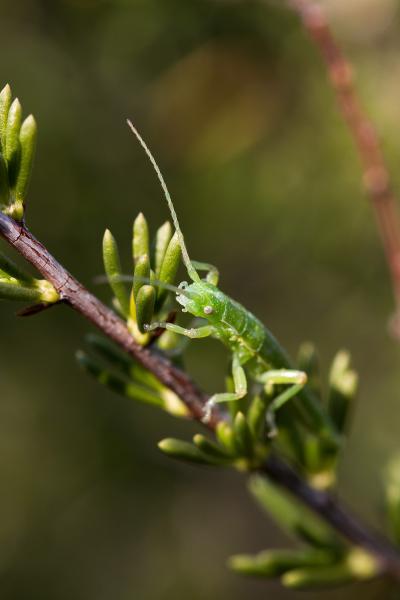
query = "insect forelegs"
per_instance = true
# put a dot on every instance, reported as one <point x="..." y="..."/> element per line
<point x="193" y="333"/>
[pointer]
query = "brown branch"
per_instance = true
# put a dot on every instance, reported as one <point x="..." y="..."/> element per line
<point x="80" y="299"/>
<point x="376" y="178"/>
<point x="334" y="513"/>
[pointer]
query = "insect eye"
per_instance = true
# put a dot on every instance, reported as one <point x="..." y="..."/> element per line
<point x="183" y="285"/>
<point x="208" y="310"/>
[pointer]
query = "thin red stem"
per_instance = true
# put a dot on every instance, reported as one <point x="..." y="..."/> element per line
<point x="376" y="178"/>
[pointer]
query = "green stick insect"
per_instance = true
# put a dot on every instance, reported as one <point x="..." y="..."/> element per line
<point x="255" y="351"/>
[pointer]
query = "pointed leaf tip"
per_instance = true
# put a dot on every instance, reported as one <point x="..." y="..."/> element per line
<point x="343" y="384"/>
<point x="169" y="266"/>
<point x="112" y="267"/>
<point x="243" y="436"/>
<point x="27" y="138"/>
<point x="162" y="239"/>
<point x="12" y="142"/>
<point x="5" y="103"/>
<point x="182" y="450"/>
<point x="6" y="91"/>
<point x="358" y="565"/>
<point x="274" y="563"/>
<point x="213" y="451"/>
<point x="140" y="240"/>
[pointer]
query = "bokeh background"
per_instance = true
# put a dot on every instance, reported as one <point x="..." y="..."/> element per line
<point x="233" y="100"/>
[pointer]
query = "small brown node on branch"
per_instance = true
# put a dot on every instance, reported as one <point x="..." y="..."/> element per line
<point x="376" y="182"/>
<point x="394" y="325"/>
<point x="341" y="75"/>
<point x="313" y="15"/>
<point x="368" y="136"/>
<point x="396" y="264"/>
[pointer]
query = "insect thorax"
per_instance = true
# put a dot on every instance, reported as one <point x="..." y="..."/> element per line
<point x="236" y="327"/>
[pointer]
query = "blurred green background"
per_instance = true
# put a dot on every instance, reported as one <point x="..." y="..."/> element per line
<point x="233" y="100"/>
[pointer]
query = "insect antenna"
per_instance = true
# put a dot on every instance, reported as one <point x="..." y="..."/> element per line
<point x="155" y="282"/>
<point x="185" y="256"/>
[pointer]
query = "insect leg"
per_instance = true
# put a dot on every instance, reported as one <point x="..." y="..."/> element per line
<point x="193" y="333"/>
<point x="240" y="384"/>
<point x="213" y="273"/>
<point x="295" y="379"/>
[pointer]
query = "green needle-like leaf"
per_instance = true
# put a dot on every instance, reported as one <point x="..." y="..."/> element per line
<point x="5" y="103"/>
<point x="243" y="437"/>
<point x="169" y="266"/>
<point x="226" y="436"/>
<point x="162" y="239"/>
<point x="117" y="383"/>
<point x="308" y="361"/>
<point x="317" y="577"/>
<point x="142" y="271"/>
<point x="145" y="301"/>
<point x="12" y="291"/>
<point x="182" y="451"/>
<point x="313" y="453"/>
<point x="273" y="563"/>
<point x="256" y="417"/>
<point x="27" y="138"/>
<point x="132" y="380"/>
<point x="111" y="353"/>
<point x="343" y="387"/>
<point x="4" y="187"/>
<point x="210" y="449"/>
<point x="143" y="376"/>
<point x="358" y="565"/>
<point x="292" y="516"/>
<point x="13" y="270"/>
<point x="12" y="149"/>
<point x="113" y="271"/>
<point x="140" y="239"/>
